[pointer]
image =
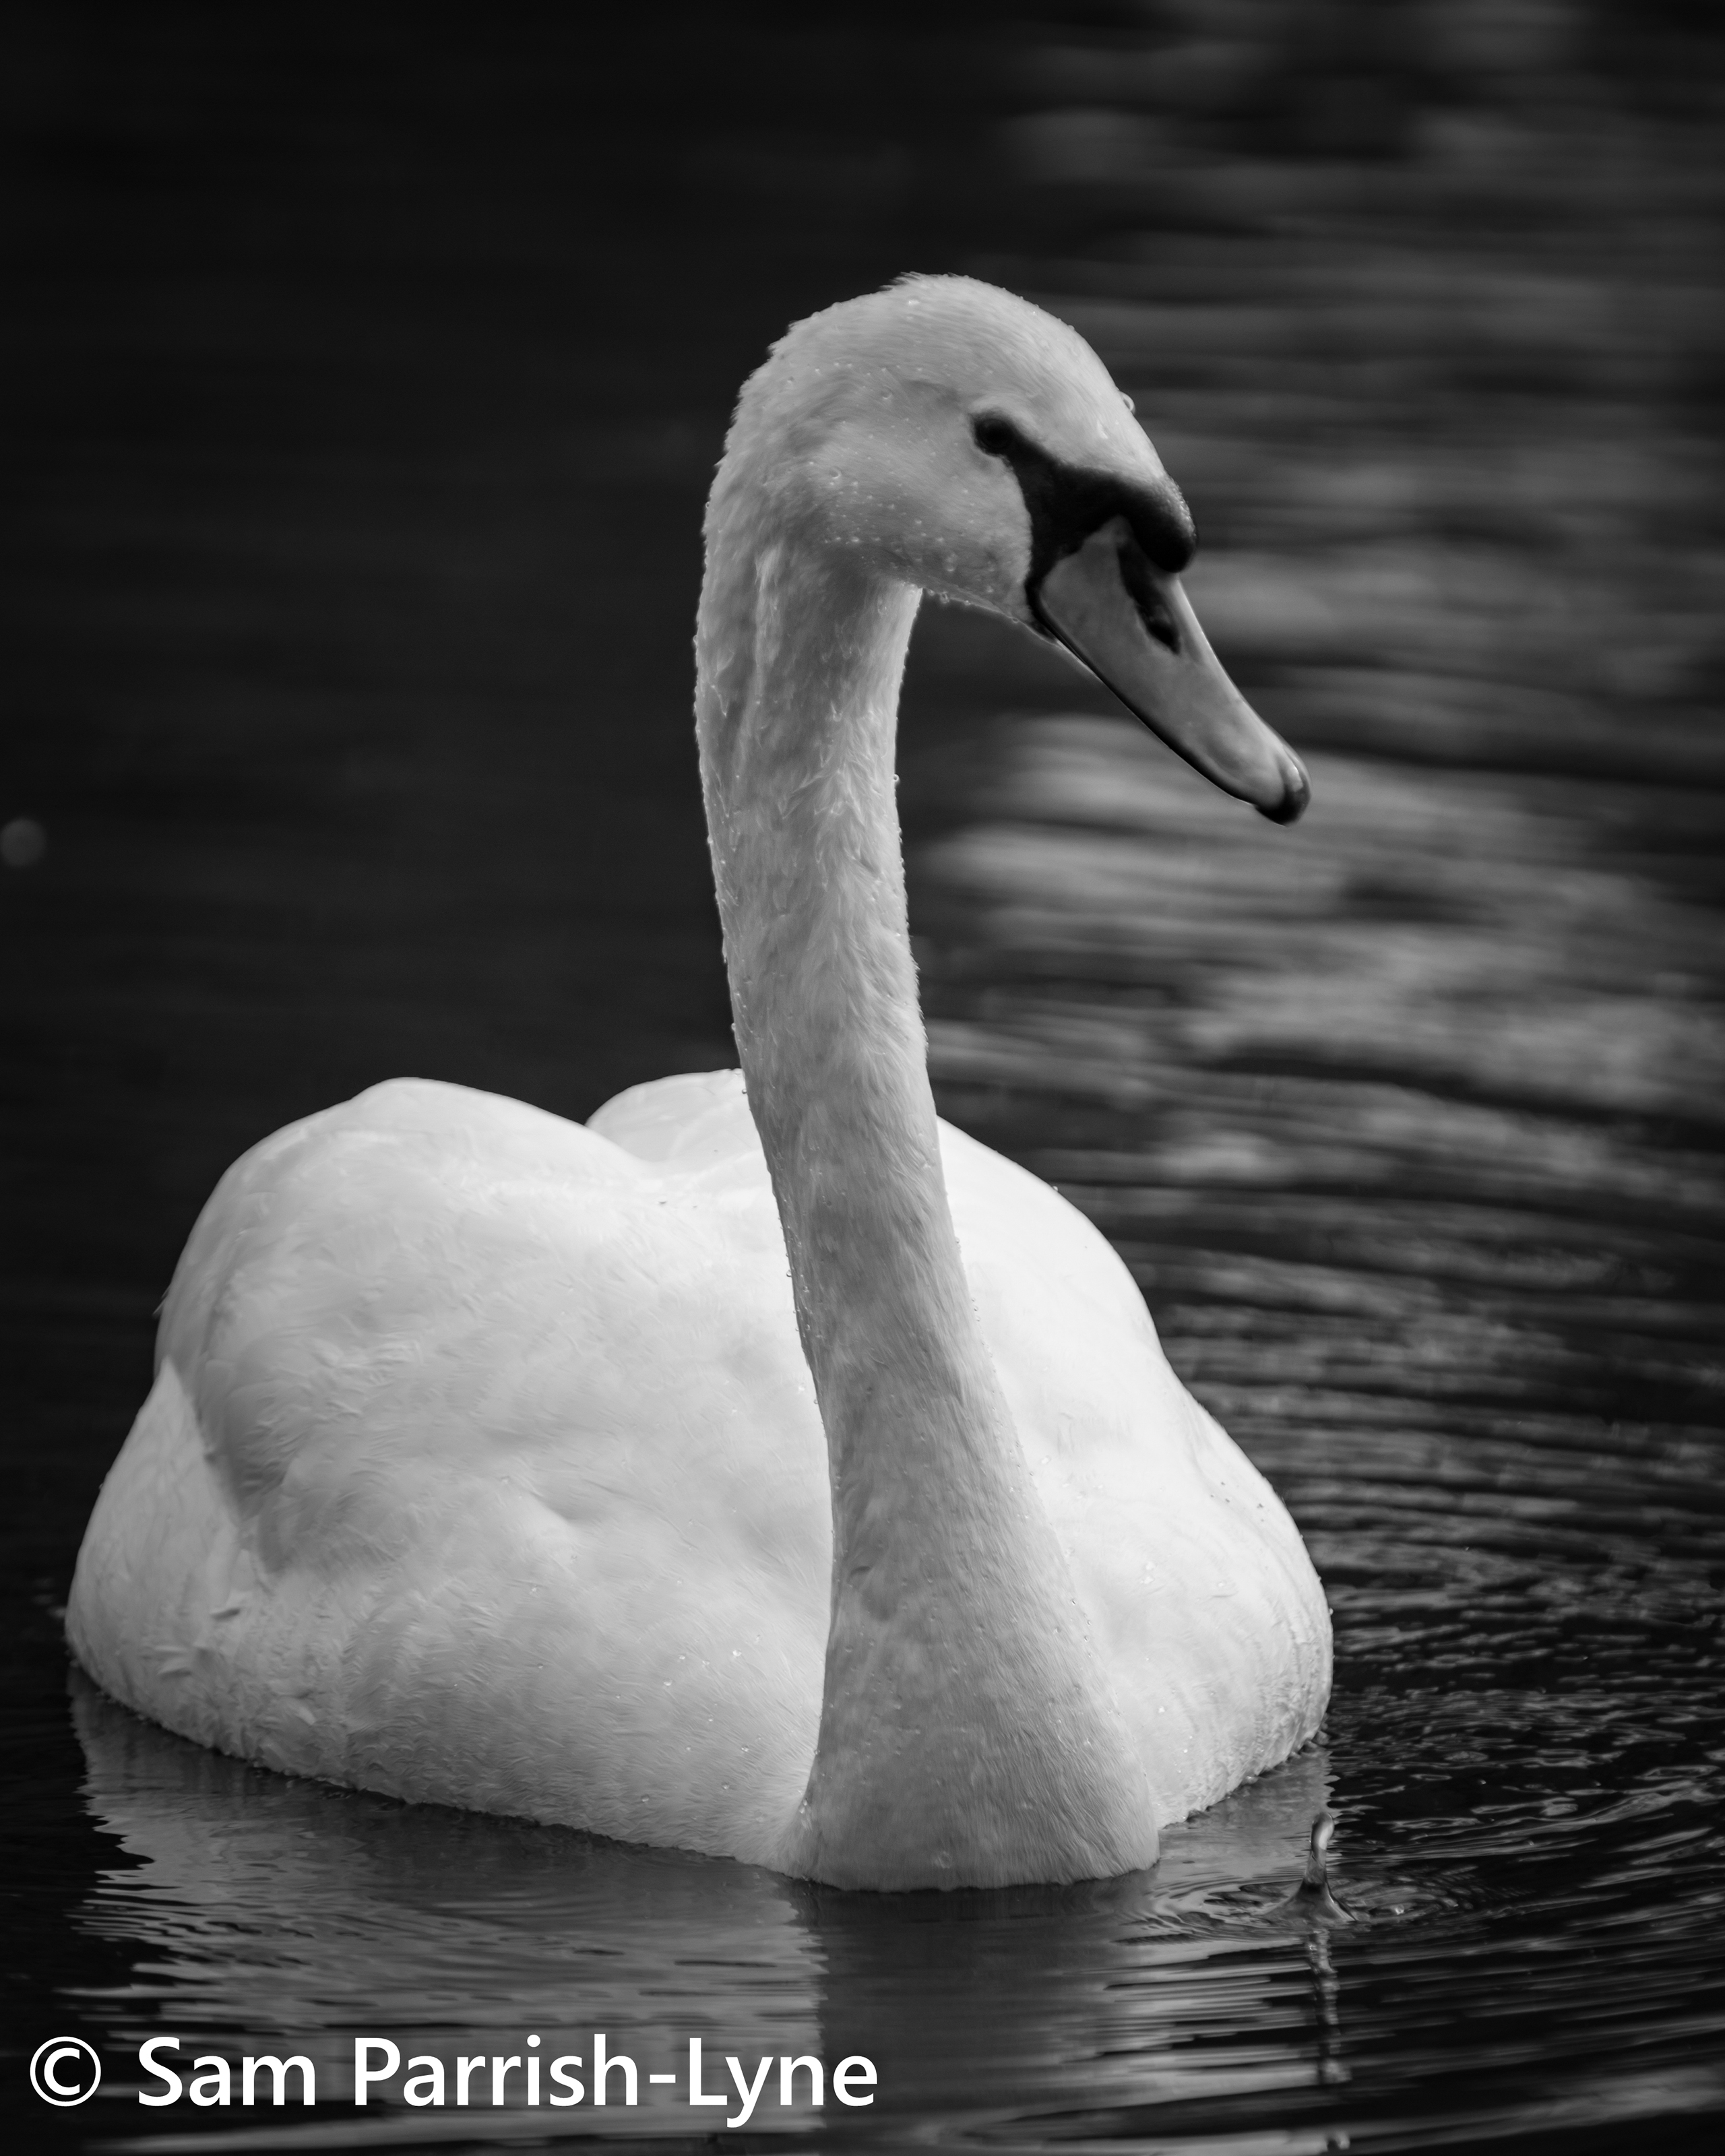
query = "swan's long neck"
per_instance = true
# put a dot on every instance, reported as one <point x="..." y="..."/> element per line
<point x="967" y="1734"/>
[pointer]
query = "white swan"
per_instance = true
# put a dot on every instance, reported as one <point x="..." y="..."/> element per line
<point x="484" y="1464"/>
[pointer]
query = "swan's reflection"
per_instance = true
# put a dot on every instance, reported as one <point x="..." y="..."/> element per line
<point x="273" y="1914"/>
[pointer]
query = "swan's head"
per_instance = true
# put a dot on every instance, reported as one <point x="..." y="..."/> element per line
<point x="956" y="438"/>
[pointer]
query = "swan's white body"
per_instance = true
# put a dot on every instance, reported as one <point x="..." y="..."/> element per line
<point x="500" y="1461"/>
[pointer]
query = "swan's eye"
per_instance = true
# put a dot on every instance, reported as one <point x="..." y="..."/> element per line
<point x="993" y="435"/>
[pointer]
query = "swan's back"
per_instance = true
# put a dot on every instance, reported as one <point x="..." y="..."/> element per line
<point x="483" y="1465"/>
<point x="477" y="1469"/>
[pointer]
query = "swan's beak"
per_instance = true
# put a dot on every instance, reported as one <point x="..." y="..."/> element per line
<point x="1134" y="628"/>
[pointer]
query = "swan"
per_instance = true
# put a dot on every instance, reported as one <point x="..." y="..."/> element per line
<point x="764" y="1468"/>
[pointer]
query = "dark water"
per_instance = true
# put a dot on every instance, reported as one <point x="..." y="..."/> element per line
<point x="365" y="388"/>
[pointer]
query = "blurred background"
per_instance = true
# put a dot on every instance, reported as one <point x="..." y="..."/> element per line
<point x="367" y="368"/>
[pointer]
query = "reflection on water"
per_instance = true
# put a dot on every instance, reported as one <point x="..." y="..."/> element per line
<point x="277" y="1912"/>
<point x="373" y="386"/>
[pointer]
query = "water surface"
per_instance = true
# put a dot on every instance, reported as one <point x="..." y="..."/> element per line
<point x="370" y="389"/>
